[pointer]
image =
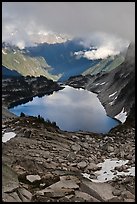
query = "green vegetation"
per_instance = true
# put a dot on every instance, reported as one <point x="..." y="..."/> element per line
<point x="47" y="122"/>
<point x="105" y="65"/>
<point x="40" y="119"/>
<point x="22" y="114"/>
<point x="26" y="65"/>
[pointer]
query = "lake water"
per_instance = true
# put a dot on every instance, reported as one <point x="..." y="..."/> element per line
<point x="72" y="110"/>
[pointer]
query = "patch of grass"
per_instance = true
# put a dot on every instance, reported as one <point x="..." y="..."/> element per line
<point x="105" y="65"/>
<point x="26" y="65"/>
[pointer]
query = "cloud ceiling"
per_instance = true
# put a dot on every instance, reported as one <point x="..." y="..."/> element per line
<point x="110" y="21"/>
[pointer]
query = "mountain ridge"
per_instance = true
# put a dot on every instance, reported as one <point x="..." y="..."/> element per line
<point x="115" y="89"/>
<point x="15" y="59"/>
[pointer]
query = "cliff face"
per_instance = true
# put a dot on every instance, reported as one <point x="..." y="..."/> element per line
<point x="122" y="81"/>
<point x="116" y="89"/>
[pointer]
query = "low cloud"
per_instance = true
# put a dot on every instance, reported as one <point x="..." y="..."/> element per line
<point x="101" y="53"/>
<point x="24" y="19"/>
<point x="102" y="45"/>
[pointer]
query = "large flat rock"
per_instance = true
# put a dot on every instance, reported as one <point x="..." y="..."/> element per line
<point x="9" y="179"/>
<point x="99" y="190"/>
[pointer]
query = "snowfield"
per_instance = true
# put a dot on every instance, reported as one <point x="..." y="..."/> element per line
<point x="106" y="173"/>
<point x="121" y="116"/>
<point x="7" y="136"/>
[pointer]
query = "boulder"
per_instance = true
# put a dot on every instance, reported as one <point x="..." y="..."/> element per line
<point x="11" y="197"/>
<point x="86" y="145"/>
<point x="75" y="147"/>
<point x="129" y="200"/>
<point x="82" y="164"/>
<point x="49" y="179"/>
<point x="101" y="191"/>
<point x="117" y="192"/>
<point x="9" y="179"/>
<point x="56" y="193"/>
<point x="11" y="191"/>
<point x="33" y="178"/>
<point x="85" y="196"/>
<point x="27" y="133"/>
<point x="93" y="167"/>
<point x="66" y="182"/>
<point x="115" y="200"/>
<point x="24" y="194"/>
<point x="71" y="156"/>
<point x="110" y="149"/>
<point x="127" y="195"/>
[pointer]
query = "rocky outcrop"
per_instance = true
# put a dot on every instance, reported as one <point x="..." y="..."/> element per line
<point x="53" y="166"/>
<point x="12" y="191"/>
<point x="19" y="90"/>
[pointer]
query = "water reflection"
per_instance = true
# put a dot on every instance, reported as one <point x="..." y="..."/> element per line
<point x="72" y="109"/>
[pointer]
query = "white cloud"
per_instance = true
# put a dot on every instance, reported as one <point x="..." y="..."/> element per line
<point x="72" y="18"/>
<point x="100" y="53"/>
<point x="106" y="45"/>
<point x="21" y="44"/>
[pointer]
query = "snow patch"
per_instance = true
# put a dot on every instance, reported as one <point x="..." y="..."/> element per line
<point x="126" y="75"/>
<point x="112" y="102"/>
<point x="4" y="52"/>
<point x="112" y="94"/>
<point x="121" y="116"/>
<point x="7" y="136"/>
<point x="16" y="61"/>
<point x="33" y="178"/>
<point x="106" y="174"/>
<point x="121" y="75"/>
<point x="102" y="83"/>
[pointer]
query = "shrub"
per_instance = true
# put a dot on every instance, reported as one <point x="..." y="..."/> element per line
<point x="22" y="114"/>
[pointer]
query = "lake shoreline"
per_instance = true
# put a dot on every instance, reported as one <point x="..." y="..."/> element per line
<point x="72" y="109"/>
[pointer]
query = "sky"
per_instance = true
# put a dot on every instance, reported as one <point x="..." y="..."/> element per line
<point x="99" y="22"/>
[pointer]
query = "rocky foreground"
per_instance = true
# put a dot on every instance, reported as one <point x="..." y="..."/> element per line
<point x="44" y="164"/>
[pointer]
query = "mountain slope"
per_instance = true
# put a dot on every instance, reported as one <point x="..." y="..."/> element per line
<point x="16" y="59"/>
<point x="122" y="81"/>
<point x="105" y="65"/>
<point x="61" y="57"/>
<point x="116" y="89"/>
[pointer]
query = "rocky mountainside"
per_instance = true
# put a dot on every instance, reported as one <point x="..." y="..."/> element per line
<point x="56" y="61"/>
<point x="18" y="90"/>
<point x="105" y="65"/>
<point x="19" y="60"/>
<point x="61" y="57"/>
<point x="116" y="89"/>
